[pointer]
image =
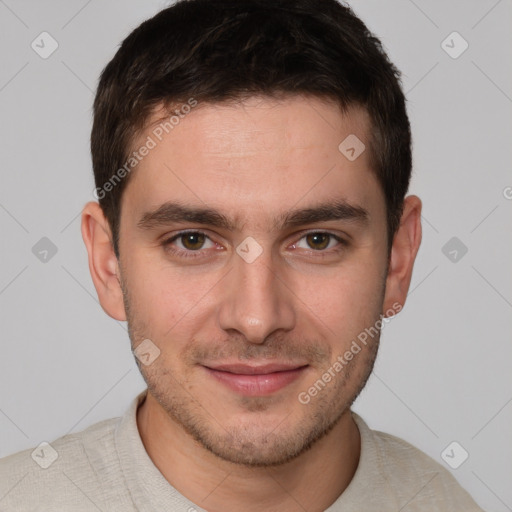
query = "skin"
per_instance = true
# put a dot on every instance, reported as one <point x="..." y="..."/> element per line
<point x="300" y="301"/>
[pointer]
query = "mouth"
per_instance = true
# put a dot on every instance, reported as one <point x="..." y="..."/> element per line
<point x="256" y="380"/>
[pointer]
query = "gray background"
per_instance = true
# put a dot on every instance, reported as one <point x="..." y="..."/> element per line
<point x="443" y="373"/>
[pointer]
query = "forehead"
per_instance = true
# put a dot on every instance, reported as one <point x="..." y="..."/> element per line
<point x="258" y="156"/>
<point x="258" y="122"/>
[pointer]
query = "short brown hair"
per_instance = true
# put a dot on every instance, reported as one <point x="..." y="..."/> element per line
<point x="221" y="50"/>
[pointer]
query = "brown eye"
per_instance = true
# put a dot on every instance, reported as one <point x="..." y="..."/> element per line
<point x="324" y="243"/>
<point x="189" y="244"/>
<point x="192" y="241"/>
<point x="318" y="241"/>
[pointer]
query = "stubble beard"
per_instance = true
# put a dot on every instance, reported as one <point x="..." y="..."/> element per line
<point x="243" y="444"/>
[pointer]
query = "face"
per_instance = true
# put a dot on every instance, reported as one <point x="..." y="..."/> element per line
<point x="253" y="254"/>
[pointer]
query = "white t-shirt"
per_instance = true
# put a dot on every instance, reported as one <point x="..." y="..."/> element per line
<point x="106" y="468"/>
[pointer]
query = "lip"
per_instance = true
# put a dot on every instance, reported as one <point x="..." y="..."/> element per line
<point x="256" y="380"/>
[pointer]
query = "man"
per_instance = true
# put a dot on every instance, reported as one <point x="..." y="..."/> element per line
<point x="251" y="160"/>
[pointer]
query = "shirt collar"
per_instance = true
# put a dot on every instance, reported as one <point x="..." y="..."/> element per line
<point x="151" y="492"/>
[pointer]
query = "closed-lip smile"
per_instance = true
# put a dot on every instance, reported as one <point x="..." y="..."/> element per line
<point x="256" y="379"/>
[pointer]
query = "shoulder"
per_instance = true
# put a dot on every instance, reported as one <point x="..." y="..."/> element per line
<point x="57" y="472"/>
<point x="414" y="478"/>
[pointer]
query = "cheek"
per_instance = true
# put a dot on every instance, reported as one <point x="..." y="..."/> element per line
<point x="347" y="301"/>
<point x="167" y="301"/>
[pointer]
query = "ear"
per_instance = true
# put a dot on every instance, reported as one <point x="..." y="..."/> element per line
<point x="406" y="243"/>
<point x="103" y="263"/>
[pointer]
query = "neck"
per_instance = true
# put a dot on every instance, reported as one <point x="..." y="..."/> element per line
<point x="312" y="481"/>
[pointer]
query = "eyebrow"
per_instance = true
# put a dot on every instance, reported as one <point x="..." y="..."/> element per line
<point x="174" y="212"/>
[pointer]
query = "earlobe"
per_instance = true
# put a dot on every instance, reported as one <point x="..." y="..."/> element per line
<point x="103" y="263"/>
<point x="405" y="247"/>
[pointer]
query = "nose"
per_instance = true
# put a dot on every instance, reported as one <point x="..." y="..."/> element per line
<point x="256" y="300"/>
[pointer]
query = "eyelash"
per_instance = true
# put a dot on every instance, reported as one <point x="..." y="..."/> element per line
<point x="167" y="244"/>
